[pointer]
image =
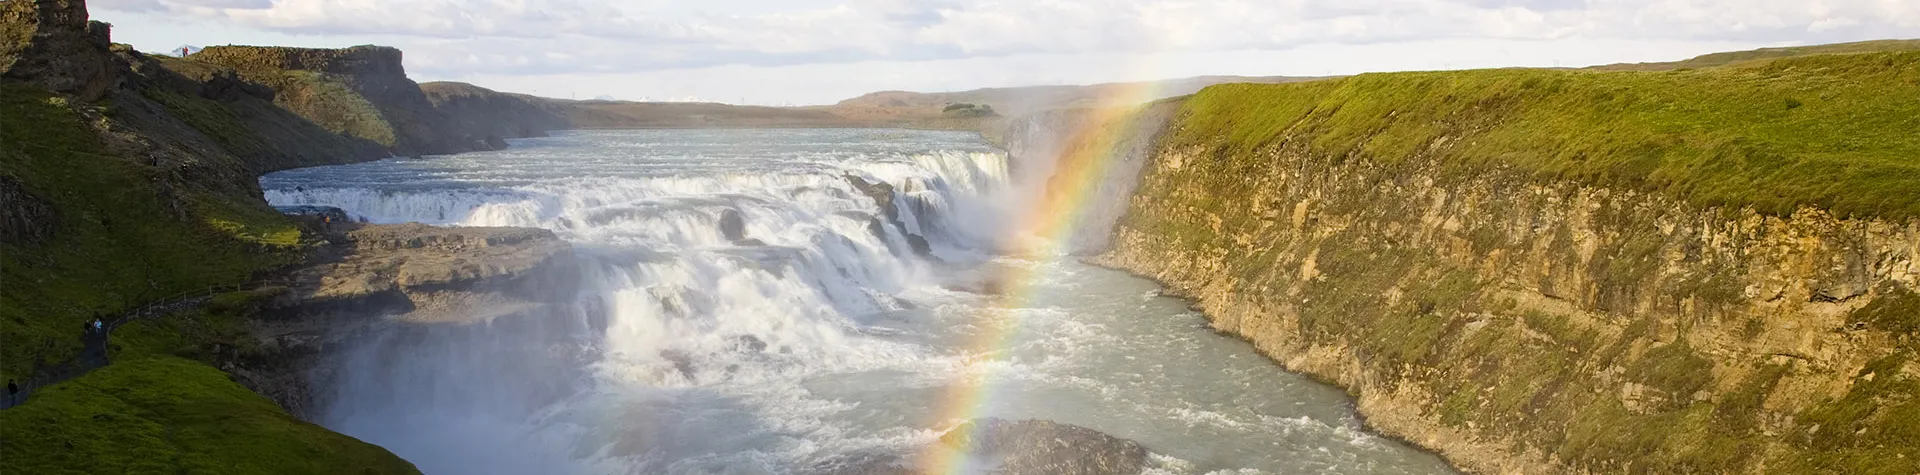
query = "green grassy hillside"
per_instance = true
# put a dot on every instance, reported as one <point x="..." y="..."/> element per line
<point x="1731" y="57"/>
<point x="122" y="235"/>
<point x="1840" y="132"/>
<point x="118" y="240"/>
<point x="169" y="415"/>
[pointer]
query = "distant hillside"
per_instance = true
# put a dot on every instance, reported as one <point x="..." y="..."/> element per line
<point x="482" y="112"/>
<point x="619" y="114"/>
<point x="902" y="106"/>
<point x="494" y="116"/>
<point x="361" y="91"/>
<point x="1721" y="59"/>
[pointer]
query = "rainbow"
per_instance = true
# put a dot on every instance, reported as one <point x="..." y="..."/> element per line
<point x="1079" y="170"/>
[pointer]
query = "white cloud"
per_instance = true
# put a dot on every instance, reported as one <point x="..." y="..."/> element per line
<point x="499" y="38"/>
<point x="601" y="35"/>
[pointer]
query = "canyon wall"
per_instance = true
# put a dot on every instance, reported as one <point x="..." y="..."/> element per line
<point x="1447" y="255"/>
<point x="361" y="91"/>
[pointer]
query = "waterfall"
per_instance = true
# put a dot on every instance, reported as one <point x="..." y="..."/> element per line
<point x="708" y="291"/>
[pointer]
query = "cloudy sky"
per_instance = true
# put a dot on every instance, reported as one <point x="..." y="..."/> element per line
<point x="821" y="51"/>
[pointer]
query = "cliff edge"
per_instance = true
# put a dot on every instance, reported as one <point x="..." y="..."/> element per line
<point x="361" y="91"/>
<point x="1533" y="271"/>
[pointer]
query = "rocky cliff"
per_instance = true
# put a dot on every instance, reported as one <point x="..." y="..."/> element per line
<point x="361" y="91"/>
<point x="1444" y="246"/>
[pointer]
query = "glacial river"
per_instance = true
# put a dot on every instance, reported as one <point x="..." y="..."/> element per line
<point x="814" y="333"/>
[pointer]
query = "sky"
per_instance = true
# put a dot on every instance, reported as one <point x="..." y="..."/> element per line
<point x="800" y="52"/>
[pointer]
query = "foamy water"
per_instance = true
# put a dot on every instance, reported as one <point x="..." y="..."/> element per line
<point x="821" y="336"/>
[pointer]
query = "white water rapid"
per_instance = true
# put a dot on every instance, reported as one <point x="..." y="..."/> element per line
<point x="754" y="301"/>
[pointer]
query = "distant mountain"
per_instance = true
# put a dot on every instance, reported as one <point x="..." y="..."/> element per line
<point x="1721" y="59"/>
<point x="893" y="106"/>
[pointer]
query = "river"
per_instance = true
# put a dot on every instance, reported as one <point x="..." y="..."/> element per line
<point x="746" y="307"/>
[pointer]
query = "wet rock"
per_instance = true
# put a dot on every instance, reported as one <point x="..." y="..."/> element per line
<point x="682" y="362"/>
<point x="882" y="195"/>
<point x="732" y="226"/>
<point x="749" y="343"/>
<point x="1045" y="447"/>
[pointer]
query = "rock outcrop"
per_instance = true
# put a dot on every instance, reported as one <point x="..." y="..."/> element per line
<point x="1526" y="324"/>
<point x="51" y="43"/>
<point x="883" y="197"/>
<point x="361" y="91"/>
<point x="1038" y="447"/>
<point x="1004" y="447"/>
<point x="379" y="276"/>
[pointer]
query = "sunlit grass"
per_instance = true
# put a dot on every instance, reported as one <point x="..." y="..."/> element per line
<point x="1840" y="132"/>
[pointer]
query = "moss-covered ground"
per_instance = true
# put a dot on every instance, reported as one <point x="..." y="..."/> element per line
<point x="117" y="242"/>
<point x="172" y="415"/>
<point x="1831" y="131"/>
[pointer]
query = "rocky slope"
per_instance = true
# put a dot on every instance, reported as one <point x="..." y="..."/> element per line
<point x="1569" y="272"/>
<point x="361" y="91"/>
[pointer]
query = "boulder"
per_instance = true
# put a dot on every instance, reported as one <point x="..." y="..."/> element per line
<point x="1040" y="447"/>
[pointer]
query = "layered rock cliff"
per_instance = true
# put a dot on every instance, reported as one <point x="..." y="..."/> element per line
<point x="1449" y="257"/>
<point x="361" y="91"/>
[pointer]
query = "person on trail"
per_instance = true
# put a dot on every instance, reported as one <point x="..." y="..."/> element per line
<point x="13" y="393"/>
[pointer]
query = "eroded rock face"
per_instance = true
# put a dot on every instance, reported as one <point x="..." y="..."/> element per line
<point x="402" y="280"/>
<point x="1521" y="326"/>
<point x="51" y="43"/>
<point x="1038" y="447"/>
<point x="363" y="91"/>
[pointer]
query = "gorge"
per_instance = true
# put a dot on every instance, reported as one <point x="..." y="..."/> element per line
<point x="1706" y="267"/>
